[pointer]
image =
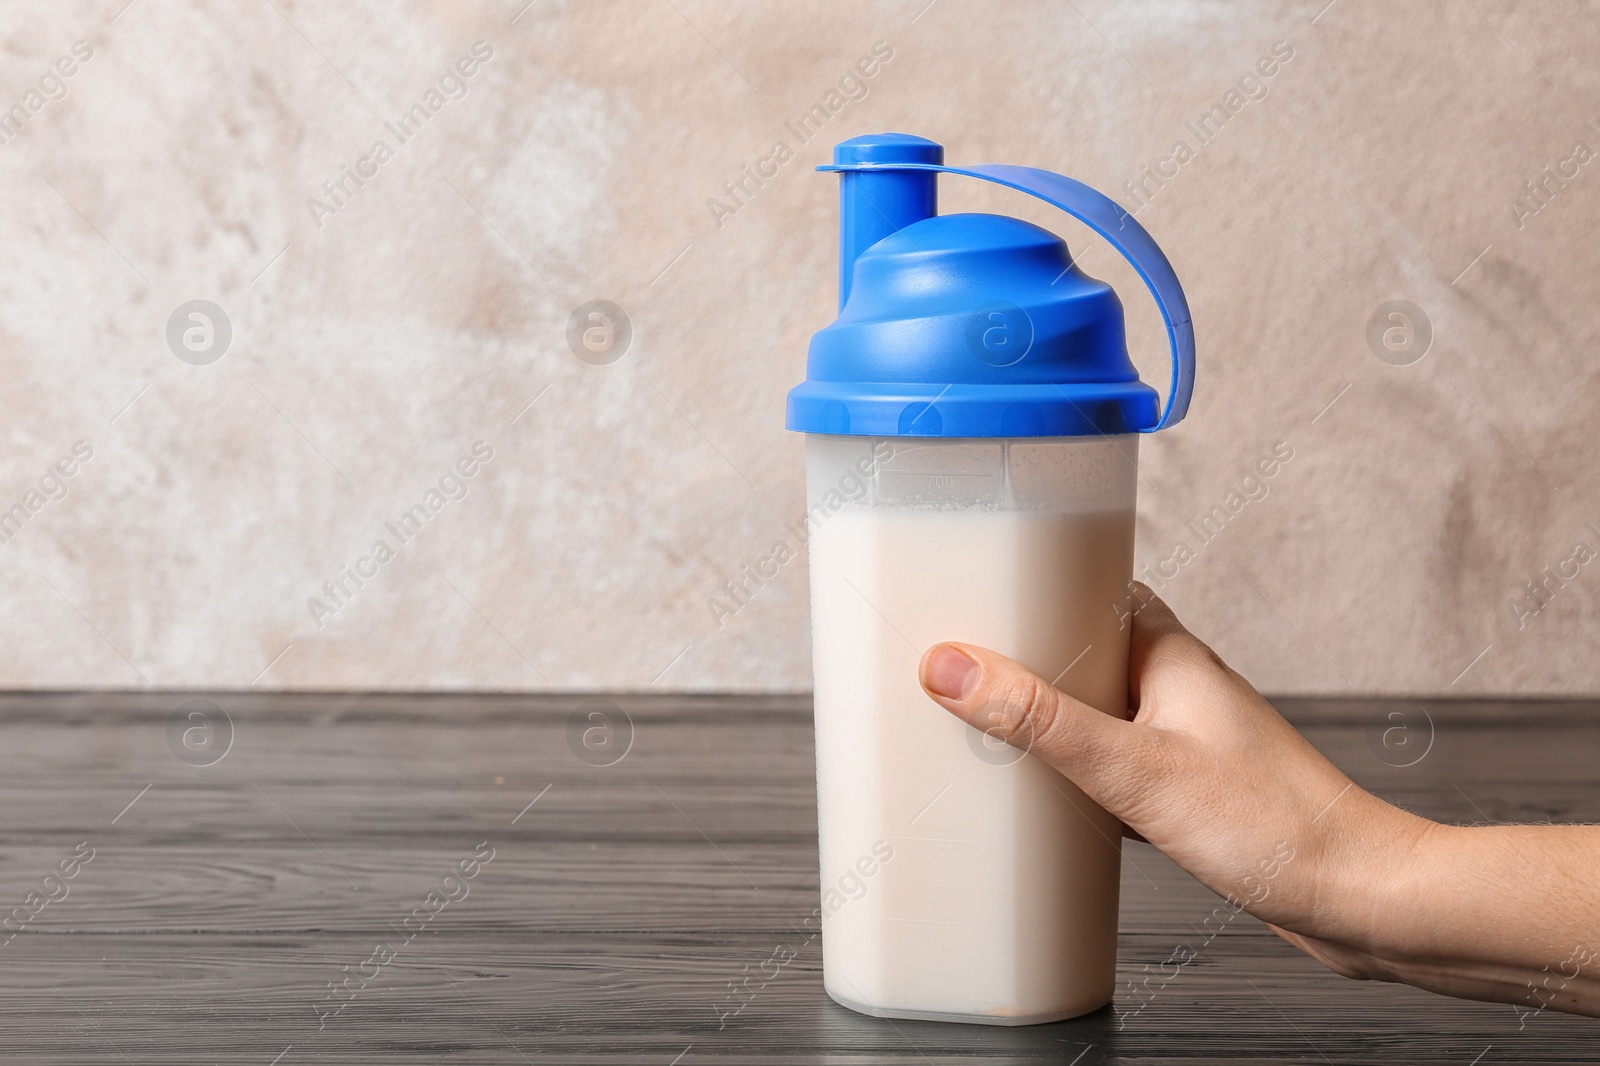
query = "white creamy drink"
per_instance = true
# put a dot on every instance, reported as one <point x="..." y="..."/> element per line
<point x="999" y="903"/>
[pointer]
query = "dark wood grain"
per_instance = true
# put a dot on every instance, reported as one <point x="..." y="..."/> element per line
<point x="617" y="909"/>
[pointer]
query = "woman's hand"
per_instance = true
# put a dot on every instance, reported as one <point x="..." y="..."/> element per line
<point x="1206" y="770"/>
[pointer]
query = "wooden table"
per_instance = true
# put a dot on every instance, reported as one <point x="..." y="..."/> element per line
<point x="485" y="895"/>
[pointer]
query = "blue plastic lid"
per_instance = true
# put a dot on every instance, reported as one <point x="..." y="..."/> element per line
<point x="976" y="325"/>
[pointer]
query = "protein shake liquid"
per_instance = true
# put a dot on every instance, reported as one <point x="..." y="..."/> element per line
<point x="971" y="450"/>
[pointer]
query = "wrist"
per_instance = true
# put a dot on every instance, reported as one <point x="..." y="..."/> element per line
<point x="1375" y="862"/>
<point x="1495" y="913"/>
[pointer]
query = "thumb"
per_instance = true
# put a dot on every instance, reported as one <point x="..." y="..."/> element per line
<point x="1107" y="757"/>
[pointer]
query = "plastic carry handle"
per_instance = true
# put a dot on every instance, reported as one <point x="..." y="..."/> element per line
<point x="1120" y="229"/>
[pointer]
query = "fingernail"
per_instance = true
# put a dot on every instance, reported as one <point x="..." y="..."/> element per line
<point x="949" y="673"/>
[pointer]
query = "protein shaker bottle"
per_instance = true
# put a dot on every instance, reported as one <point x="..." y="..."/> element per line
<point x="971" y="424"/>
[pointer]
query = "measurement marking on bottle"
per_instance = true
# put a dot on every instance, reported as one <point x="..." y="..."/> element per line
<point x="938" y="840"/>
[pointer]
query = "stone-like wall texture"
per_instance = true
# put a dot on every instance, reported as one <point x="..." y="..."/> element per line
<point x="393" y="210"/>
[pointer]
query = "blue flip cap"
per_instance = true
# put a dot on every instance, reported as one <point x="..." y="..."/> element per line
<point x="976" y="325"/>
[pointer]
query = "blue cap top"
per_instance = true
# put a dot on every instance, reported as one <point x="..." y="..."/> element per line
<point x="977" y="325"/>
<point x="888" y="148"/>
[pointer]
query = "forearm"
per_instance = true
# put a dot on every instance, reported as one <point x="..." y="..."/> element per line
<point x="1504" y="913"/>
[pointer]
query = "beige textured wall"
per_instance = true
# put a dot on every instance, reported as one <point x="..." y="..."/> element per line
<point x="374" y="342"/>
